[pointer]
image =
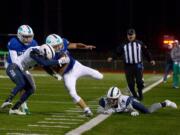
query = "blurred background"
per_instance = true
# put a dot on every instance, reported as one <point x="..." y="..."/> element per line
<point x="98" y="22"/>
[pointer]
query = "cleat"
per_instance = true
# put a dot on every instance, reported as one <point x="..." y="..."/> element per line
<point x="6" y="105"/>
<point x="176" y="87"/>
<point x="88" y="113"/>
<point x="16" y="112"/>
<point x="26" y="111"/>
<point x="170" y="104"/>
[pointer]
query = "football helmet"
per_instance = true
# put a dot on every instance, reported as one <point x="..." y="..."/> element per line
<point x="112" y="96"/>
<point x="25" y="34"/>
<point x="113" y="92"/>
<point x="55" y="41"/>
<point x="47" y="51"/>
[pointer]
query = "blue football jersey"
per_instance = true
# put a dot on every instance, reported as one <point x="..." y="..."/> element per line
<point x="65" y="51"/>
<point x="15" y="45"/>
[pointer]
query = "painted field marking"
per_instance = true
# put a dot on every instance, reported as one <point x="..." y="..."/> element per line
<point x="75" y="111"/>
<point x="24" y="134"/>
<point x="48" y="126"/>
<point x="50" y="122"/>
<point x="101" y="117"/>
<point x="66" y="116"/>
<point x="63" y="119"/>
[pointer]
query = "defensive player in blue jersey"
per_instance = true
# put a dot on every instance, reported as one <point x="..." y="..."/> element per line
<point x="70" y="69"/>
<point x="116" y="102"/>
<point x="17" y="46"/>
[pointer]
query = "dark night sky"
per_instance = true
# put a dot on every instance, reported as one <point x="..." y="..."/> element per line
<point x="98" y="22"/>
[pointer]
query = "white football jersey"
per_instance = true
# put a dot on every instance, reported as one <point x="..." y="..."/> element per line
<point x="122" y="103"/>
<point x="25" y="61"/>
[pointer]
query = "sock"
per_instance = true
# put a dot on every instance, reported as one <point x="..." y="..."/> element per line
<point x="86" y="109"/>
<point x="17" y="105"/>
<point x="10" y="98"/>
<point x="24" y="105"/>
<point x="163" y="104"/>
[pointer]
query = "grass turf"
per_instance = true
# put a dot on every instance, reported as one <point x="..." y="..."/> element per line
<point x="51" y="98"/>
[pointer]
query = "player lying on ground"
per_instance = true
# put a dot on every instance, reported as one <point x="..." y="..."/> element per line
<point x="19" y="74"/>
<point x="116" y="102"/>
<point x="70" y="70"/>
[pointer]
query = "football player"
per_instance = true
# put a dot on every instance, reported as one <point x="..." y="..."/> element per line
<point x="18" y="72"/>
<point x="17" y="46"/>
<point x="116" y="102"/>
<point x="70" y="69"/>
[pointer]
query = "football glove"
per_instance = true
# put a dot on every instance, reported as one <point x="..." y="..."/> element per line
<point x="135" y="113"/>
<point x="57" y="76"/>
<point x="63" y="60"/>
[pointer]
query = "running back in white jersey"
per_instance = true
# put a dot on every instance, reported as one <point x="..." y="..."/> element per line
<point x="25" y="60"/>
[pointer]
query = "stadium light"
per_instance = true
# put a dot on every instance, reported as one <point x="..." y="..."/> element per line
<point x="168" y="41"/>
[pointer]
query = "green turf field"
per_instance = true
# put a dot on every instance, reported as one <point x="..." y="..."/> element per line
<point x="53" y="112"/>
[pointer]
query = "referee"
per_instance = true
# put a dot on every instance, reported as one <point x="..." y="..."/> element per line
<point x="132" y="52"/>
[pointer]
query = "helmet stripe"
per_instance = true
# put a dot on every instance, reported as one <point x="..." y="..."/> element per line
<point x="112" y="91"/>
<point x="55" y="36"/>
<point x="117" y="93"/>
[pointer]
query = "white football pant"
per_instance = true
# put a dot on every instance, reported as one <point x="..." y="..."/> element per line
<point x="77" y="71"/>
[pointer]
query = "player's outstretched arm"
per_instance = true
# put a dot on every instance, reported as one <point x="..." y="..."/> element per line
<point x="41" y="60"/>
<point x="80" y="46"/>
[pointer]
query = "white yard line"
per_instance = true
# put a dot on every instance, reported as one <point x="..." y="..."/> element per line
<point x="63" y="119"/>
<point x="65" y="116"/>
<point x="23" y="134"/>
<point x="74" y="111"/>
<point x="50" y="122"/>
<point x="47" y="126"/>
<point x="101" y="117"/>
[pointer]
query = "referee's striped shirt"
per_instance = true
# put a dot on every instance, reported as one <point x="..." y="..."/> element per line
<point x="133" y="52"/>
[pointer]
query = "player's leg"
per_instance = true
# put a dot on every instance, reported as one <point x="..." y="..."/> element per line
<point x="87" y="71"/>
<point x="139" y="80"/>
<point x="156" y="106"/>
<point x="70" y="84"/>
<point x="29" y="90"/>
<point x="31" y="87"/>
<point x="139" y="106"/>
<point x="17" y="77"/>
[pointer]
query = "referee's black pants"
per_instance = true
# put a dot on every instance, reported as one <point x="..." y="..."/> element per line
<point x="134" y="74"/>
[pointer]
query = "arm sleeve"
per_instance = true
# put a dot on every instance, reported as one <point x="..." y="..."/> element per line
<point x="12" y="51"/>
<point x="41" y="60"/>
<point x="14" y="56"/>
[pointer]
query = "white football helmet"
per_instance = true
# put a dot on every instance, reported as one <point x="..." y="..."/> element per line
<point x="47" y="51"/>
<point x="113" y="93"/>
<point x="55" y="40"/>
<point x="25" y="34"/>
